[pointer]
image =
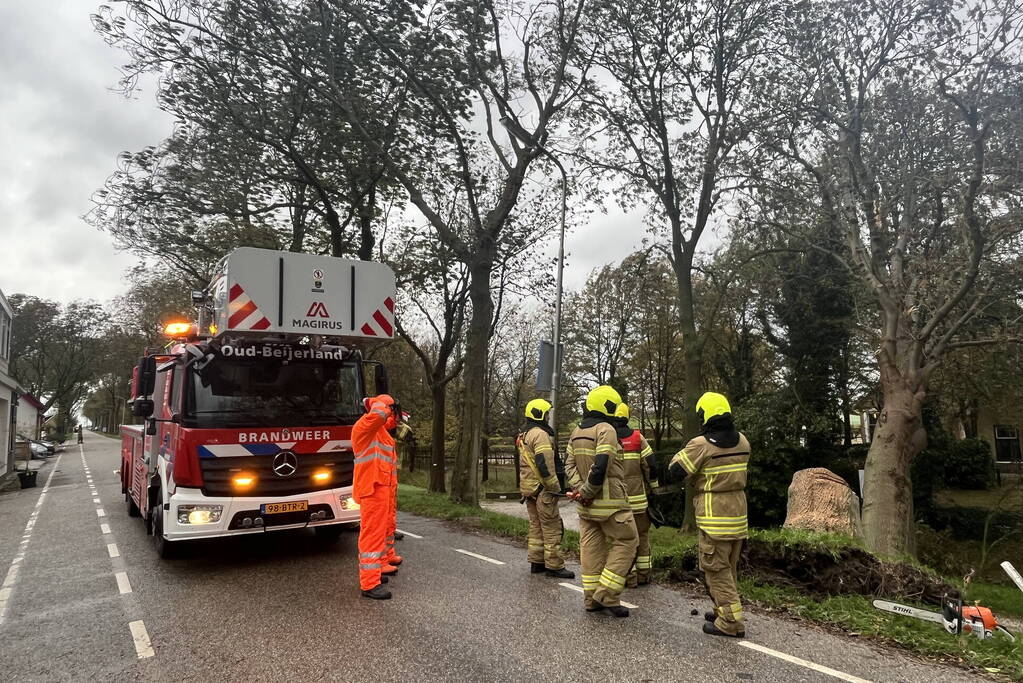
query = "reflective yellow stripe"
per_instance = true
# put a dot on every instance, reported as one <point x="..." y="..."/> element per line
<point x="611" y="580"/>
<point x="590" y="581"/>
<point x="738" y="467"/>
<point x="723" y="520"/>
<point x="722" y="532"/>
<point x="686" y="462"/>
<point x="581" y="451"/>
<point x="643" y="562"/>
<point x="544" y="448"/>
<point x="708" y="497"/>
<point x="647" y="451"/>
<point x="606" y="448"/>
<point x="630" y="455"/>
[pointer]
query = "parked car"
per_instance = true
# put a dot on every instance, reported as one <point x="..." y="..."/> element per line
<point x="53" y="446"/>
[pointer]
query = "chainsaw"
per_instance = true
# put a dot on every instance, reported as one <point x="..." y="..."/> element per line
<point x="954" y="616"/>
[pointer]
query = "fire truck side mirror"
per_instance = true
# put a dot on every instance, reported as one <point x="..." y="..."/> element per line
<point x="142" y="407"/>
<point x="146" y="376"/>
<point x="380" y="379"/>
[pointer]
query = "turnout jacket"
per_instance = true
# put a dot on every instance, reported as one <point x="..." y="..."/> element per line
<point x="595" y="466"/>
<point x="538" y="464"/>
<point x="719" y="476"/>
<point x="638" y="461"/>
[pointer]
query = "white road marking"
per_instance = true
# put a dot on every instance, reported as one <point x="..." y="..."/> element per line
<point x="14" y="569"/>
<point x="123" y="585"/>
<point x="112" y="549"/>
<point x="803" y="662"/>
<point x="478" y="557"/>
<point x="143" y="647"/>
<point x="100" y="512"/>
<point x="96" y="500"/>
<point x="409" y="533"/>
<point x="105" y="528"/>
<point x="579" y="589"/>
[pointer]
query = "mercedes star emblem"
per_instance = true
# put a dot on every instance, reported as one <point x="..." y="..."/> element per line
<point x="285" y="464"/>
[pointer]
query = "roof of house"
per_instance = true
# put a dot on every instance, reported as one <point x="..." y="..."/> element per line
<point x="33" y="401"/>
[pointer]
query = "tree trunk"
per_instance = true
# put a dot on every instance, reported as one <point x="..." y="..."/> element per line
<point x="690" y="421"/>
<point x="437" y="437"/>
<point x="464" y="485"/>
<point x="888" y="523"/>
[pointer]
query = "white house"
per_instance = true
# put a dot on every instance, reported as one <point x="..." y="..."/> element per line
<point x="30" y="416"/>
<point x="9" y="390"/>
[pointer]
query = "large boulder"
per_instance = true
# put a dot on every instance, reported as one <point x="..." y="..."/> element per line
<point x="820" y="500"/>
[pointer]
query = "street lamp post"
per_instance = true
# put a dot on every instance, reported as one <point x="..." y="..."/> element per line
<point x="522" y="136"/>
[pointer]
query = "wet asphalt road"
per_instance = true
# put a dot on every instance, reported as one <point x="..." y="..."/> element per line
<point x="286" y="607"/>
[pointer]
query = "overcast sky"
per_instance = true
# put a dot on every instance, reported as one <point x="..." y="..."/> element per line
<point x="62" y="126"/>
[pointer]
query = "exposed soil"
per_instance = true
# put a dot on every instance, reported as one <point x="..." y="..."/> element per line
<point x="822" y="572"/>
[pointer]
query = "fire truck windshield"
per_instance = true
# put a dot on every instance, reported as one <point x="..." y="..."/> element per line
<point x="233" y="392"/>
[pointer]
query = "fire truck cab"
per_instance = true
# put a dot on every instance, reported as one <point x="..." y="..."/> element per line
<point x="249" y="409"/>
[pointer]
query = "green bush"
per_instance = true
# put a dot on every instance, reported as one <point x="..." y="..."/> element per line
<point x="969" y="465"/>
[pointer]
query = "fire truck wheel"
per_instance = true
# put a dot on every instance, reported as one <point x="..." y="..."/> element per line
<point x="167" y="550"/>
<point x="133" y="509"/>
<point x="329" y="534"/>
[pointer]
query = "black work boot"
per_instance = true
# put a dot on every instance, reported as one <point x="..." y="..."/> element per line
<point x="398" y="535"/>
<point x="595" y="607"/>
<point x="618" y="611"/>
<point x="710" y="616"/>
<point x="536" y="567"/>
<point x="377" y="592"/>
<point x="383" y="579"/>
<point x="561" y="573"/>
<point x="712" y="630"/>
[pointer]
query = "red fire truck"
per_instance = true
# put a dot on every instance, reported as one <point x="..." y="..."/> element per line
<point x="249" y="408"/>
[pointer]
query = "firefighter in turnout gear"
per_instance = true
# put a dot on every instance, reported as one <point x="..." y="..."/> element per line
<point x="607" y="532"/>
<point x="374" y="482"/>
<point x="717" y="461"/>
<point x="639" y="468"/>
<point x="540" y="485"/>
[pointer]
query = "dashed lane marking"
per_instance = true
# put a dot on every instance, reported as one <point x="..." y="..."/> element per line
<point x="409" y="533"/>
<point x="112" y="550"/>
<point x="579" y="589"/>
<point x="143" y="647"/>
<point x="105" y="528"/>
<point x="123" y="585"/>
<point x="96" y="500"/>
<point x="803" y="662"/>
<point x="11" y="578"/>
<point x="478" y="557"/>
<point x="100" y="512"/>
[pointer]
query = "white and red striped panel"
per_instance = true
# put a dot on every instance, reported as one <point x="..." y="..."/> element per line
<point x="382" y="322"/>
<point x="243" y="314"/>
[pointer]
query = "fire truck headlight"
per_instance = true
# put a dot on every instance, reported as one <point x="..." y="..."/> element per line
<point x="199" y="514"/>
<point x="243" y="481"/>
<point x="321" y="476"/>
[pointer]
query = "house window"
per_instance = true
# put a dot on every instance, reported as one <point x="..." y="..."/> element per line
<point x="1006" y="443"/>
<point x="5" y="335"/>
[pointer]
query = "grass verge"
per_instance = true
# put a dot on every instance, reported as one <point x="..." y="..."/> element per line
<point x="852" y="614"/>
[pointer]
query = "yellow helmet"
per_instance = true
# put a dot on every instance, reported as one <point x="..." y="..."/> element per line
<point x="622" y="410"/>
<point x="604" y="399"/>
<point x="711" y="405"/>
<point x="537" y="408"/>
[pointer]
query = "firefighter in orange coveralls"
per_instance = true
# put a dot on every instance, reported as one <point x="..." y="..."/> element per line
<point x="373" y="487"/>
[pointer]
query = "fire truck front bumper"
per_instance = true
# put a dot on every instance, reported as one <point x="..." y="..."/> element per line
<point x="191" y="515"/>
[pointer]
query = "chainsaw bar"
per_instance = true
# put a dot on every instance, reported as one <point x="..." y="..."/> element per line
<point x="906" y="611"/>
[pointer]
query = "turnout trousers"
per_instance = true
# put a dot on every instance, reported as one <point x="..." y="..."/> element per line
<point x="374" y="520"/>
<point x="640" y="574"/>
<point x="545" y="531"/>
<point x="719" y="561"/>
<point x="607" y="549"/>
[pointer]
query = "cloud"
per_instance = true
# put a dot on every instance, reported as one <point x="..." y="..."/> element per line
<point x="61" y="129"/>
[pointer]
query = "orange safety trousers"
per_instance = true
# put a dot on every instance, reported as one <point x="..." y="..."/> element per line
<point x="374" y="518"/>
<point x="392" y="521"/>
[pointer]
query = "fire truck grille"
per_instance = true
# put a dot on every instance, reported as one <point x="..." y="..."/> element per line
<point x="218" y="473"/>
